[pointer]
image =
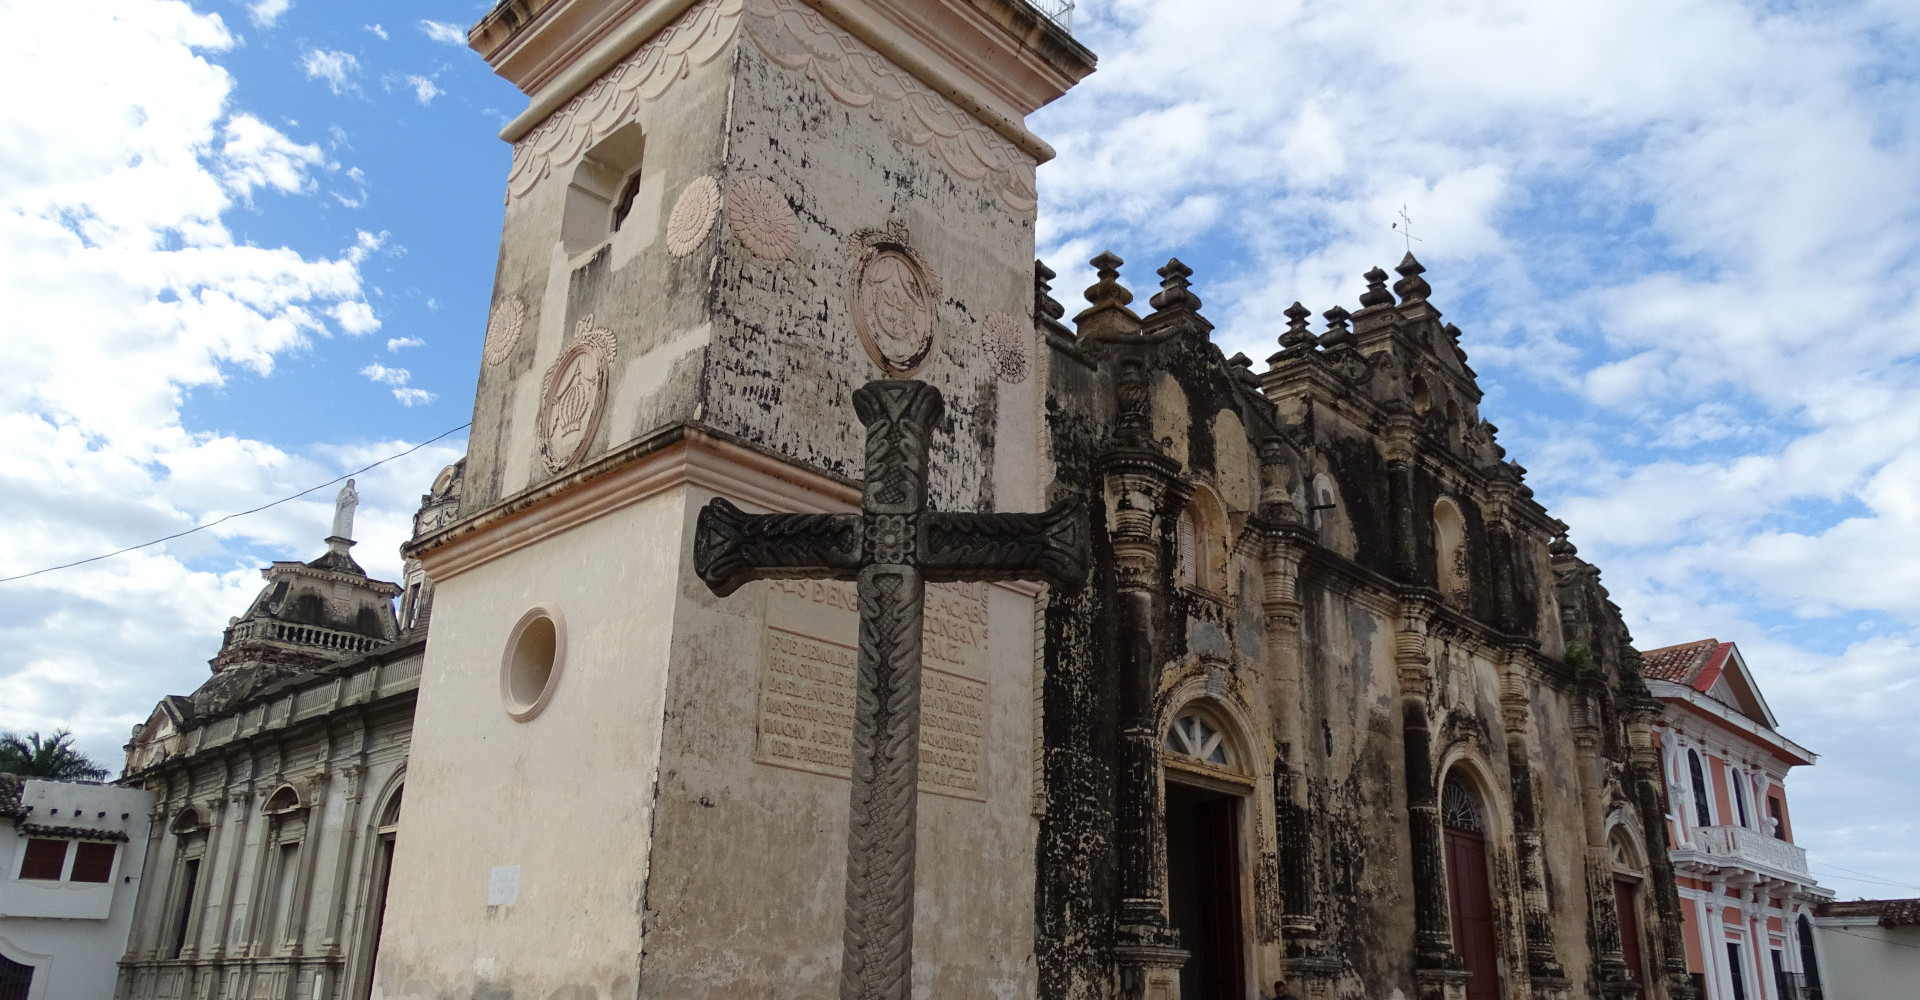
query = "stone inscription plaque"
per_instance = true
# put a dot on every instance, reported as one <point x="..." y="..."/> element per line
<point x="807" y="683"/>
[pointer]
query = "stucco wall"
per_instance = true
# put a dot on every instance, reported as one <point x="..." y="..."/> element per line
<point x="72" y="933"/>
<point x="567" y="797"/>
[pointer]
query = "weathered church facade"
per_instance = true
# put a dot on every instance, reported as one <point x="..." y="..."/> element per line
<point x="1338" y="703"/>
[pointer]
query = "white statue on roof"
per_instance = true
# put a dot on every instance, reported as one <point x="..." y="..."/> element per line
<point x="344" y="503"/>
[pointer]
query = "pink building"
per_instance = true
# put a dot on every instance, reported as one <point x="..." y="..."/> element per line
<point x="1746" y="896"/>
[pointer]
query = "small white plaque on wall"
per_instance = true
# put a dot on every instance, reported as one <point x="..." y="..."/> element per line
<point x="503" y="888"/>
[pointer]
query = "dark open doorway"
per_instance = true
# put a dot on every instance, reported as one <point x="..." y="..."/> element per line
<point x="1203" y="891"/>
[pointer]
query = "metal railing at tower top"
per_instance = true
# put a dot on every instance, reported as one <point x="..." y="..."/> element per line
<point x="1059" y="12"/>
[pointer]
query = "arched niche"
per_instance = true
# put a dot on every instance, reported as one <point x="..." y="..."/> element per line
<point x="1201" y="542"/>
<point x="1450" y="552"/>
<point x="601" y="192"/>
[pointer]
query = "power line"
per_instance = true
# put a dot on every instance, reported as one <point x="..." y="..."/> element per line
<point x="1862" y="876"/>
<point x="244" y="513"/>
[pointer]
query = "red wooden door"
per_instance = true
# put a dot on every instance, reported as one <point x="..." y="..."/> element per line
<point x="1222" y="969"/>
<point x="1471" y="904"/>
<point x="1623" y="893"/>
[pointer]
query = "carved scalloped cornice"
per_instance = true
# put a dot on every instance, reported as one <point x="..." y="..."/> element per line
<point x="796" y="37"/>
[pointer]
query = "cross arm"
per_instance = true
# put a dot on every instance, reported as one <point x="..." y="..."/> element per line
<point x="732" y="547"/>
<point x="1050" y="546"/>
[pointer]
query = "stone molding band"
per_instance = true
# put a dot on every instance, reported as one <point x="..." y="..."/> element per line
<point x="683" y="454"/>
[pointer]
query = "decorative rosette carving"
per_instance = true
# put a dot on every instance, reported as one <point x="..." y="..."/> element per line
<point x="503" y="330"/>
<point x="894" y="293"/>
<point x="1007" y="347"/>
<point x="762" y="220"/>
<point x="692" y="216"/>
<point x="574" y="395"/>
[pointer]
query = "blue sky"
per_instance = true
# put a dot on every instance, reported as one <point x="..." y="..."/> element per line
<point x="248" y="246"/>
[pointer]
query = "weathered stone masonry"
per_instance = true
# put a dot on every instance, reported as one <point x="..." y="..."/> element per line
<point x="1373" y="588"/>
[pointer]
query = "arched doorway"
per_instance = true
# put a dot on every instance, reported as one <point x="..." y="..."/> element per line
<point x="1629" y="874"/>
<point x="1469" y="892"/>
<point x="1205" y="804"/>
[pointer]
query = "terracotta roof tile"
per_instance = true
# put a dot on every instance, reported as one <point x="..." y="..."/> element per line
<point x="1676" y="663"/>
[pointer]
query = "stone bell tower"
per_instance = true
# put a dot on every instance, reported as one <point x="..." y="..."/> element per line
<point x="723" y="217"/>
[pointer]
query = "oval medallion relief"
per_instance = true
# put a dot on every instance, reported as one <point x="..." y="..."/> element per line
<point x="574" y="394"/>
<point x="894" y="297"/>
<point x="692" y="216"/>
<point x="503" y="330"/>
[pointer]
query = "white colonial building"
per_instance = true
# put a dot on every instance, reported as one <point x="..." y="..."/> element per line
<point x="1746" y="895"/>
<point x="68" y="879"/>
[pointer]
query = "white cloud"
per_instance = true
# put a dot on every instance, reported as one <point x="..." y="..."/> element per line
<point x="355" y="318"/>
<point x="444" y="32"/>
<point x="397" y="344"/>
<point x="1697" y="265"/>
<point x="397" y="379"/>
<point x="255" y="154"/>
<point x="387" y="376"/>
<point x="125" y="292"/>
<point x="424" y="89"/>
<point x="377" y="31"/>
<point x="266" y="12"/>
<point x="336" y="67"/>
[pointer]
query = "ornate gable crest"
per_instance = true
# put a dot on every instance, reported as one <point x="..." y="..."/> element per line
<point x="574" y="394"/>
<point x="894" y="295"/>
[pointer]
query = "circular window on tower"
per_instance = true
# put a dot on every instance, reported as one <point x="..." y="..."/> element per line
<point x="530" y="667"/>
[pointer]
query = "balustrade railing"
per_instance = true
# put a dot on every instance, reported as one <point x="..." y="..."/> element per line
<point x="302" y="635"/>
<point x="1751" y="848"/>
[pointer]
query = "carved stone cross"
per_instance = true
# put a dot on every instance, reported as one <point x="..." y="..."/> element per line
<point x="892" y="549"/>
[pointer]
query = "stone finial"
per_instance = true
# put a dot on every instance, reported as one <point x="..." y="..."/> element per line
<point x="1176" y="310"/>
<point x="1337" y="332"/>
<point x="1376" y="293"/>
<point x="1046" y="309"/>
<point x="1175" y="292"/>
<point x="1107" y="315"/>
<point x="1411" y="287"/>
<point x="1296" y="335"/>
<point x="1108" y="289"/>
<point x="1561" y="548"/>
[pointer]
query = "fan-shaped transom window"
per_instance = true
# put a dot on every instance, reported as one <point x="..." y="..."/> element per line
<point x="1625" y="858"/>
<point x="1459" y="807"/>
<point x="1194" y="736"/>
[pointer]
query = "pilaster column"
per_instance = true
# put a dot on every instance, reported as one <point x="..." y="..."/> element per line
<point x="350" y="826"/>
<point x="156" y="877"/>
<point x="1299" y="844"/>
<point x="1603" y="920"/>
<point x="215" y="811"/>
<point x="240" y="810"/>
<point x="309" y="861"/>
<point x="1548" y="976"/>
<point x="1433" y="938"/>
<point x="1670" y="946"/>
<point x="1144" y="494"/>
<point x="1399" y="455"/>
